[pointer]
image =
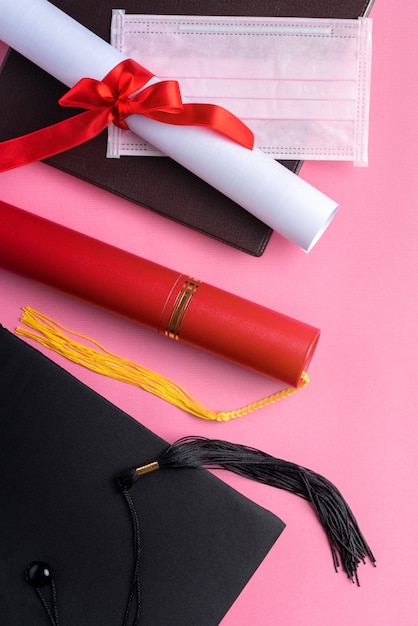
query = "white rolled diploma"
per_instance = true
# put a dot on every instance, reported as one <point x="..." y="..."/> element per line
<point x="68" y="51"/>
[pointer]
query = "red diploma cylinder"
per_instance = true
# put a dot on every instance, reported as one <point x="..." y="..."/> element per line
<point x="162" y="299"/>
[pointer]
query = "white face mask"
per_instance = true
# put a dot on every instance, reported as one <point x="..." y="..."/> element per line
<point x="301" y="85"/>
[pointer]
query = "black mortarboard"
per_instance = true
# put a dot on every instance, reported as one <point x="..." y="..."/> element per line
<point x="62" y="449"/>
<point x="101" y="543"/>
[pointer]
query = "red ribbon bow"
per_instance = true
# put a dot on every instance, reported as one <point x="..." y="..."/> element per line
<point x="113" y="99"/>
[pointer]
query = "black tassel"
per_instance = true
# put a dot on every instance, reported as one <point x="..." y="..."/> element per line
<point x="345" y="538"/>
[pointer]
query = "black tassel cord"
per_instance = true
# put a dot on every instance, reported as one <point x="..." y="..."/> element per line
<point x="347" y="543"/>
<point x="345" y="538"/>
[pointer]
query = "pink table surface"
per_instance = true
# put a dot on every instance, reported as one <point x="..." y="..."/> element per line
<point x="356" y="421"/>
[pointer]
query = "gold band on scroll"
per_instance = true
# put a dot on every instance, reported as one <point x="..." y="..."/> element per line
<point x="180" y="307"/>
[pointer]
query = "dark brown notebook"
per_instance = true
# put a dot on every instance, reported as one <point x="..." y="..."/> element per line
<point x="62" y="448"/>
<point x="157" y="183"/>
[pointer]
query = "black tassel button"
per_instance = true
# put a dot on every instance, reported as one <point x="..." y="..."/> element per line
<point x="38" y="574"/>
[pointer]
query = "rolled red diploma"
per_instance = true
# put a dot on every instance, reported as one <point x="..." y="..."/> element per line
<point x="154" y="296"/>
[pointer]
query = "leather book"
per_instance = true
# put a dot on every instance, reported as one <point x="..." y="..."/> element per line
<point x="157" y="183"/>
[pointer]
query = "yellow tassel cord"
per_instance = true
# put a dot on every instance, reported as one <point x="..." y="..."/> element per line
<point x="99" y="359"/>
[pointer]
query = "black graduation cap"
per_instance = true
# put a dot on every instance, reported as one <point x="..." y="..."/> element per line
<point x="64" y="521"/>
<point x="99" y="541"/>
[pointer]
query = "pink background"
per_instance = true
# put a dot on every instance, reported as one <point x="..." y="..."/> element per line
<point x="356" y="421"/>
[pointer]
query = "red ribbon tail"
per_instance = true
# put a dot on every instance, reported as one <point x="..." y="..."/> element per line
<point x="212" y="116"/>
<point x="53" y="139"/>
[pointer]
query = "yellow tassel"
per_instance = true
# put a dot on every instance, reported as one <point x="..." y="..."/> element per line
<point x="51" y="335"/>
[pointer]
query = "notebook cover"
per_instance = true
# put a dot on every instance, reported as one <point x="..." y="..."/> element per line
<point x="62" y="447"/>
<point x="157" y="183"/>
